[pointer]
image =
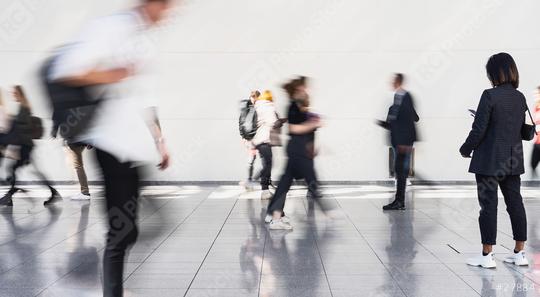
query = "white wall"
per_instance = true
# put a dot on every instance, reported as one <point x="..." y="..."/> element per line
<point x="214" y="51"/>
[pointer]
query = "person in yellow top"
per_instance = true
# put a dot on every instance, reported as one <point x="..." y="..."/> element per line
<point x="266" y="120"/>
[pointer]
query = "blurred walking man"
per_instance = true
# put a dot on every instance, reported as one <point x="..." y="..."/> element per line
<point x="109" y="56"/>
<point x="401" y="123"/>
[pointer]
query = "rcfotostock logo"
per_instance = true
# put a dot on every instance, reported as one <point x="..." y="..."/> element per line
<point x="14" y="21"/>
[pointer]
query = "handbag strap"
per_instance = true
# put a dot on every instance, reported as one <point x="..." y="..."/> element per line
<point x="532" y="120"/>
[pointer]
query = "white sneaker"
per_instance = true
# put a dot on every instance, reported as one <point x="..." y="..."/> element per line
<point x="266" y="195"/>
<point x="517" y="259"/>
<point x="268" y="219"/>
<point x="279" y="225"/>
<point x="80" y="197"/>
<point x="482" y="261"/>
<point x="246" y="185"/>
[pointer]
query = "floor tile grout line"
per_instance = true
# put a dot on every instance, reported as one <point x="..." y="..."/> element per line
<point x="27" y="260"/>
<point x="445" y="227"/>
<point x="371" y="247"/>
<point x="33" y="231"/>
<point x="174" y="230"/>
<point x="211" y="246"/>
<point x="262" y="262"/>
<point x="472" y="218"/>
<point x="100" y="250"/>
<point x="165" y="239"/>
<point x="446" y="265"/>
<point x="319" y="253"/>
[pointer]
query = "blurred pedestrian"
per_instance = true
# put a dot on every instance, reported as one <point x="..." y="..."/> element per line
<point x="248" y="129"/>
<point x="266" y="120"/>
<point x="75" y="153"/>
<point x="300" y="152"/>
<point x="24" y="129"/>
<point x="110" y="57"/>
<point x="535" y="158"/>
<point x="401" y="121"/>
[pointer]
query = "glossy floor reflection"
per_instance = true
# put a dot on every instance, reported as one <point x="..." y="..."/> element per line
<point x="209" y="241"/>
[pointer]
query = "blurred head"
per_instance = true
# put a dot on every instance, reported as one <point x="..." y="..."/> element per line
<point x="297" y="88"/>
<point x="19" y="95"/>
<point x="156" y="10"/>
<point x="266" y="95"/>
<point x="255" y="94"/>
<point x="501" y="69"/>
<point x="397" y="80"/>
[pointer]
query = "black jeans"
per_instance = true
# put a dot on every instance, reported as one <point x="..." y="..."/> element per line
<point x="487" y="187"/>
<point x="535" y="159"/>
<point x="121" y="194"/>
<point x="25" y="152"/>
<point x="299" y="166"/>
<point x="265" y="150"/>
<point x="401" y="169"/>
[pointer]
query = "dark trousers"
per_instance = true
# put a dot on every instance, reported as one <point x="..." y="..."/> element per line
<point x="535" y="159"/>
<point x="251" y="165"/>
<point x="121" y="194"/>
<point x="401" y="169"/>
<point x="487" y="187"/>
<point x="298" y="166"/>
<point x="25" y="152"/>
<point x="265" y="150"/>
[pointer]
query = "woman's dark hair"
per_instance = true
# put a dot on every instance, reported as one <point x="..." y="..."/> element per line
<point x="292" y="85"/>
<point x="23" y="99"/>
<point x="501" y="69"/>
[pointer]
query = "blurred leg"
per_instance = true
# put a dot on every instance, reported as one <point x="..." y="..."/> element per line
<point x="121" y="194"/>
<point x="278" y="200"/>
<point x="75" y="154"/>
<point x="265" y="150"/>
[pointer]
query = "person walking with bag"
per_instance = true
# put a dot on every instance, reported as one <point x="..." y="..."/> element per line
<point x="266" y="119"/>
<point x="495" y="141"/>
<point x="300" y="153"/>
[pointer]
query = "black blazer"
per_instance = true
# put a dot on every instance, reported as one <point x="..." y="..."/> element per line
<point x="495" y="137"/>
<point x="401" y="120"/>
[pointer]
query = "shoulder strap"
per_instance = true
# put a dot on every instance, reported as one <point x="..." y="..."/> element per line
<point x="532" y="120"/>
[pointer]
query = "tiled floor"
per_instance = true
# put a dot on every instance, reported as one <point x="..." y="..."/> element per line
<point x="209" y="241"/>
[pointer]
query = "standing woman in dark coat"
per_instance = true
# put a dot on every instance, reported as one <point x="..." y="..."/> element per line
<point x="497" y="161"/>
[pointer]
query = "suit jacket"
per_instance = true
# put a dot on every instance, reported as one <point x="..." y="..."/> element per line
<point x="401" y="120"/>
<point x="495" y="137"/>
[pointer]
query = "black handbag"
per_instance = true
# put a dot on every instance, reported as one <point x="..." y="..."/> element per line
<point x="528" y="131"/>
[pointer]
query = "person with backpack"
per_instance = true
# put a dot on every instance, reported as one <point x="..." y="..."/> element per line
<point x="266" y="120"/>
<point x="107" y="60"/>
<point x="24" y="129"/>
<point x="248" y="128"/>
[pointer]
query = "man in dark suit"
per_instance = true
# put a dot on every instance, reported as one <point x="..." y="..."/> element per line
<point x="401" y="121"/>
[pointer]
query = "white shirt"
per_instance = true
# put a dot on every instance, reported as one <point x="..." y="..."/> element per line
<point x="120" y="124"/>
